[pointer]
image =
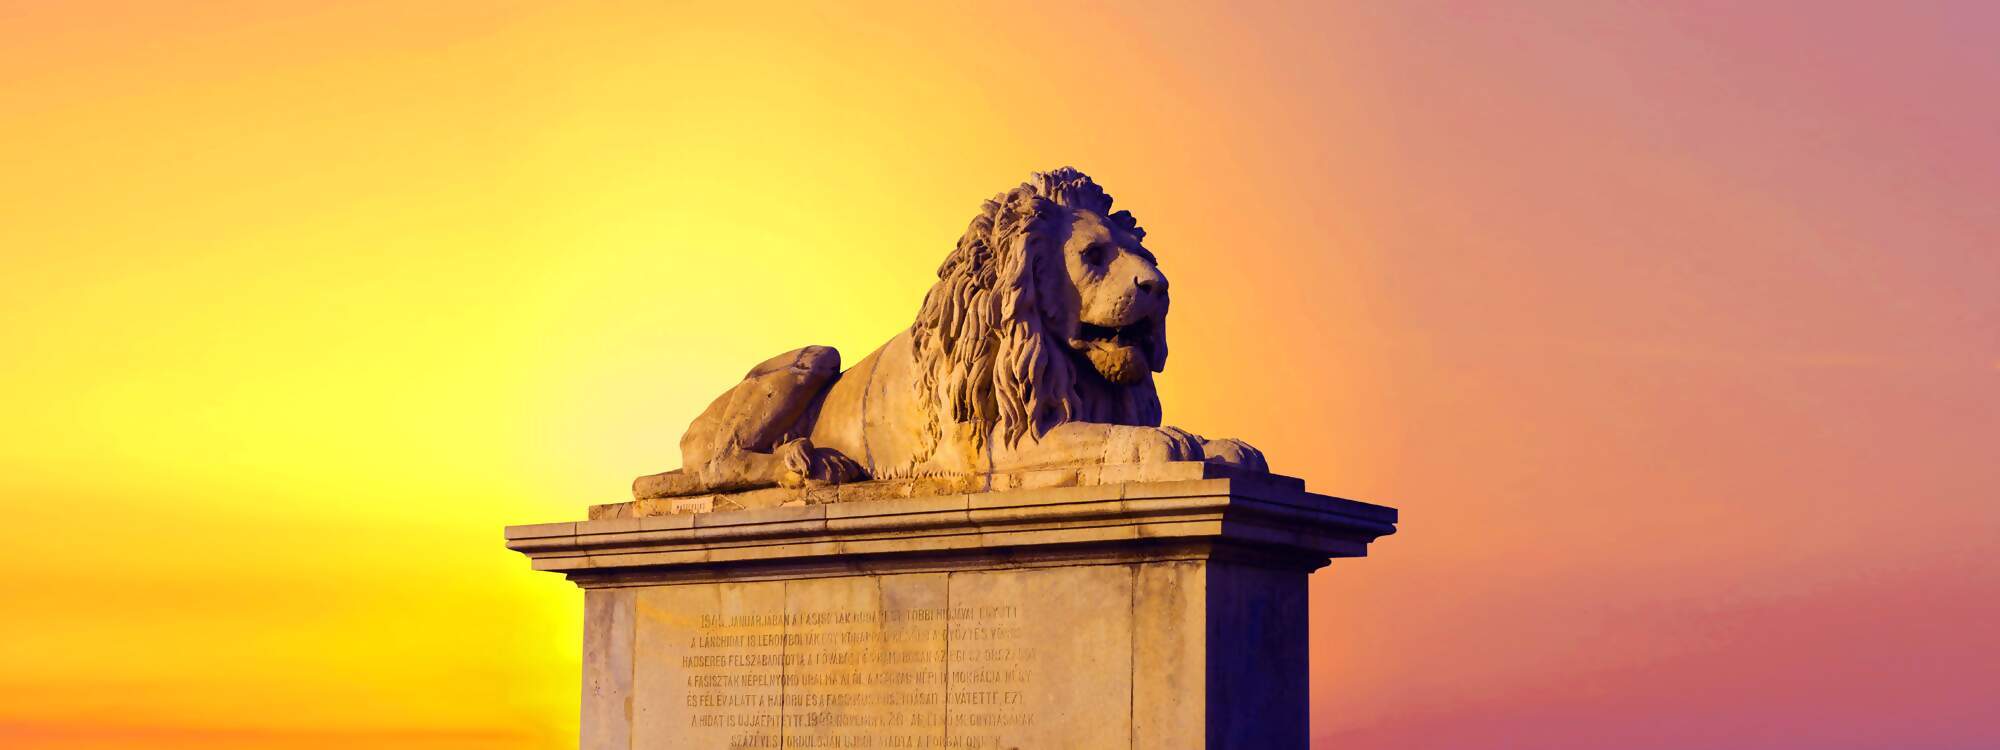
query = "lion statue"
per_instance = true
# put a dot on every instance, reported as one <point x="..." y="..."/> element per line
<point x="1036" y="348"/>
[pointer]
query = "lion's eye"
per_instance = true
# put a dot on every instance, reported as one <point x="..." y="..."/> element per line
<point x="1094" y="255"/>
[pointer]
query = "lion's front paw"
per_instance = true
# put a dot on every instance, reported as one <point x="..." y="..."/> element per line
<point x="1233" y="452"/>
<point x="1138" y="445"/>
<point x="805" y="464"/>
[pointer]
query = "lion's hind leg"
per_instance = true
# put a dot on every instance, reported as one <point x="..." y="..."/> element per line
<point x="745" y="438"/>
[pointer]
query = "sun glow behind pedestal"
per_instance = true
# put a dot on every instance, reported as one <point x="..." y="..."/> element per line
<point x="303" y="303"/>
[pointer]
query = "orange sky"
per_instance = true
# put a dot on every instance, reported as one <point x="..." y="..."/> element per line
<point x="1670" y="327"/>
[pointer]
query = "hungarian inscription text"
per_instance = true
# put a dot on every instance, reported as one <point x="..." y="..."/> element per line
<point x="918" y="678"/>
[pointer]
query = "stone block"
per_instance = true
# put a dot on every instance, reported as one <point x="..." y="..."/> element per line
<point x="1168" y="615"/>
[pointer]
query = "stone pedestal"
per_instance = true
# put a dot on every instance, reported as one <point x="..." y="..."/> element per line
<point x="1166" y="614"/>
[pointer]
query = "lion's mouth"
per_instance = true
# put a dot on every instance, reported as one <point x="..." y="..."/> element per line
<point x="1133" y="334"/>
<point x="1119" y="353"/>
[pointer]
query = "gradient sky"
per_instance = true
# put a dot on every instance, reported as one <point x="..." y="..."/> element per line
<point x="1674" y="330"/>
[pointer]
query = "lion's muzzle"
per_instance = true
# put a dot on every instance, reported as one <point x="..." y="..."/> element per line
<point x="1118" y="353"/>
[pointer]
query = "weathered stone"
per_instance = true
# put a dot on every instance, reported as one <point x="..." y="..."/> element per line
<point x="978" y="537"/>
<point x="607" y="669"/>
<point x="1161" y="615"/>
<point x="893" y="489"/>
<point x="1043" y="657"/>
<point x="1030" y="365"/>
<point x="1170" y="642"/>
<point x="689" y="693"/>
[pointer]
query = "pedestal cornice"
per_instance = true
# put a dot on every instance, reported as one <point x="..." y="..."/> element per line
<point x="1265" y="520"/>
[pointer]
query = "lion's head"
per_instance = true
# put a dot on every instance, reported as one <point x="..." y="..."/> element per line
<point x="1049" y="310"/>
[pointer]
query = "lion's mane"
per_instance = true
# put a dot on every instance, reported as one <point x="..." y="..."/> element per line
<point x="985" y="353"/>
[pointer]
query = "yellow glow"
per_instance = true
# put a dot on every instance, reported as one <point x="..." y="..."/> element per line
<point x="302" y="302"/>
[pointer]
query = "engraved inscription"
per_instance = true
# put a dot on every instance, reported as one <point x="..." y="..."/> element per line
<point x="928" y="677"/>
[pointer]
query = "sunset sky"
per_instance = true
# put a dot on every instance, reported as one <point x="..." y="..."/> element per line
<point x="1672" y="328"/>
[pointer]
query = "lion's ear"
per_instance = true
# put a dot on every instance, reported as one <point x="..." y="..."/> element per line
<point x="1018" y="285"/>
<point x="1036" y="272"/>
<point x="1059" y="305"/>
<point x="1043" y="272"/>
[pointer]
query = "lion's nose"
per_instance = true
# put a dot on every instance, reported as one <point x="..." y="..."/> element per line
<point x="1150" y="285"/>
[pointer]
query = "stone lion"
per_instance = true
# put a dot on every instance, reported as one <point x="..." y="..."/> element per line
<point x="1036" y="348"/>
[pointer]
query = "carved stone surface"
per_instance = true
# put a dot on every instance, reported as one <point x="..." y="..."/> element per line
<point x="1035" y="349"/>
<point x="959" y="484"/>
<point x="1156" y="614"/>
<point x="978" y="537"/>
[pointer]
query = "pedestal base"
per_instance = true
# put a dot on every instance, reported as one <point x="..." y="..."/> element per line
<point x="1159" y="615"/>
